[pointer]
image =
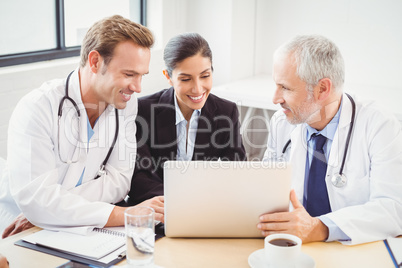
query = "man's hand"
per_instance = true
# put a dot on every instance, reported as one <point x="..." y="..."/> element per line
<point x="3" y="262"/>
<point x="18" y="225"/>
<point x="298" y="222"/>
<point x="158" y="204"/>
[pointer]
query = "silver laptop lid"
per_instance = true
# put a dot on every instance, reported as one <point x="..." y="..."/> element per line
<point x="222" y="198"/>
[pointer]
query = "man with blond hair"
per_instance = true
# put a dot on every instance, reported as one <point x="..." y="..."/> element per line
<point x="71" y="140"/>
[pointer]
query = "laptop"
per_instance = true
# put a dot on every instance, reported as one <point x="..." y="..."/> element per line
<point x="222" y="198"/>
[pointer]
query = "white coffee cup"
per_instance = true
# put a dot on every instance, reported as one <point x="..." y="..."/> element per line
<point x="282" y="250"/>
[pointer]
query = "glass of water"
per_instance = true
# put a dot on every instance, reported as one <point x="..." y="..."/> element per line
<point x="140" y="235"/>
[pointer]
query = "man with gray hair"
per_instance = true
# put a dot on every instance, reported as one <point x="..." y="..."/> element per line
<point x="346" y="154"/>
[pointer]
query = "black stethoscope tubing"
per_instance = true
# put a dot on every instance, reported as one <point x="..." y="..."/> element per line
<point x="352" y="121"/>
<point x="101" y="170"/>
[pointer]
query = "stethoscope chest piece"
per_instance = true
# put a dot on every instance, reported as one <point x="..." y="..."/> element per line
<point x="338" y="180"/>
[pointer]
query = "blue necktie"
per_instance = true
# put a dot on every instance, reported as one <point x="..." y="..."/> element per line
<point x="317" y="196"/>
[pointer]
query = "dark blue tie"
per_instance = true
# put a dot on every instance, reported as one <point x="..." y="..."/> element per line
<point x="317" y="196"/>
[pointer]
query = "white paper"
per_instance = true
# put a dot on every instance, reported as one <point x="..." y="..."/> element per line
<point x="95" y="245"/>
<point x="396" y="247"/>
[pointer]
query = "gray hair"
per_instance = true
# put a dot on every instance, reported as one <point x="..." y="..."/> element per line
<point x="316" y="57"/>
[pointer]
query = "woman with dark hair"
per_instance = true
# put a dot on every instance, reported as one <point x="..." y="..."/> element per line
<point x="185" y="121"/>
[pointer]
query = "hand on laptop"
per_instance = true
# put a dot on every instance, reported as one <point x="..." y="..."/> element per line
<point x="297" y="222"/>
<point x="158" y="204"/>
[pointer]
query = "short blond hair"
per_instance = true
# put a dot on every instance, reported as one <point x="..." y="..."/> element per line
<point x="107" y="33"/>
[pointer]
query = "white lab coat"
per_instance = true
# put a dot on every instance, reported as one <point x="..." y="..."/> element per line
<point x="41" y="184"/>
<point x="8" y="209"/>
<point x="369" y="207"/>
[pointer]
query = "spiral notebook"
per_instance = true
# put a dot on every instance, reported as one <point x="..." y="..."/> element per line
<point x="96" y="245"/>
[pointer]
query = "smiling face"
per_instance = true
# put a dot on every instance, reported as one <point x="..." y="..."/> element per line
<point x="299" y="104"/>
<point x="116" y="82"/>
<point x="192" y="82"/>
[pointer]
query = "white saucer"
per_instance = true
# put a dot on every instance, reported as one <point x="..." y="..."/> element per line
<point x="257" y="260"/>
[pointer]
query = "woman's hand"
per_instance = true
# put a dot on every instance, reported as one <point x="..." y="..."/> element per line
<point x="158" y="204"/>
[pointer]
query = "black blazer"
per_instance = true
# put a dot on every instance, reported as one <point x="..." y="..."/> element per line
<point x="218" y="136"/>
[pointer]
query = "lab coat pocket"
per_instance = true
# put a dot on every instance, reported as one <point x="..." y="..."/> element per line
<point x="356" y="191"/>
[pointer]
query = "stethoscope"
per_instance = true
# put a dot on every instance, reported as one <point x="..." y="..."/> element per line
<point x="338" y="179"/>
<point x="101" y="170"/>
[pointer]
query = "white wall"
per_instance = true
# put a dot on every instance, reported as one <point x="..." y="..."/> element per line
<point x="227" y="25"/>
<point x="16" y="81"/>
<point x="229" y="28"/>
<point x="214" y="24"/>
<point x="166" y="19"/>
<point x="243" y="34"/>
<point x="368" y="33"/>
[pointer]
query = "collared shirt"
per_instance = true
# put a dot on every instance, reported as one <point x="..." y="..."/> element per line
<point x="90" y="132"/>
<point x="335" y="233"/>
<point x="186" y="143"/>
<point x="328" y="132"/>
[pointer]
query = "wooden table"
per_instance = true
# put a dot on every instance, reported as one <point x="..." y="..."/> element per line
<point x="175" y="252"/>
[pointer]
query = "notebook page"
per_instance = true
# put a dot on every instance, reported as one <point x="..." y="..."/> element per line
<point x="396" y="246"/>
<point x="93" y="246"/>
